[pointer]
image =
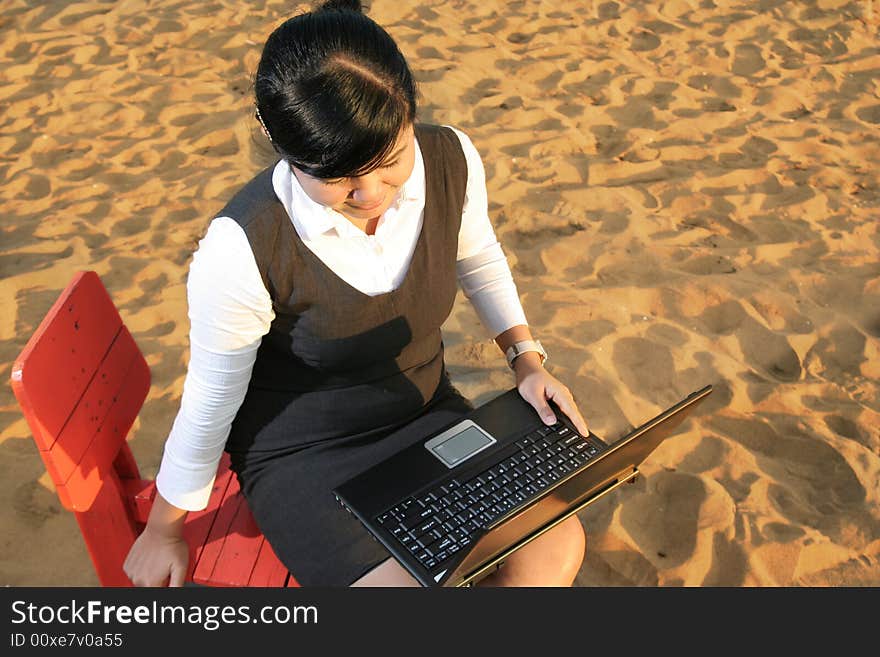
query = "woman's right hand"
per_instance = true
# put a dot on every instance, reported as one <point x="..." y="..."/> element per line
<point x="157" y="559"/>
<point x="159" y="556"/>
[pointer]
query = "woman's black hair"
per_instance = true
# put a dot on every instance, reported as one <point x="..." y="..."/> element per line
<point x="333" y="91"/>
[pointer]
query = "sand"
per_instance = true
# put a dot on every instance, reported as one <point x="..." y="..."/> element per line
<point x="687" y="192"/>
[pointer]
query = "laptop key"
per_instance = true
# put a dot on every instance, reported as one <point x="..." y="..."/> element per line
<point x="426" y="540"/>
<point x="553" y="438"/>
<point x="445" y="515"/>
<point x="442" y="544"/>
<point x="426" y="526"/>
<point x="416" y="515"/>
<point x="507" y="504"/>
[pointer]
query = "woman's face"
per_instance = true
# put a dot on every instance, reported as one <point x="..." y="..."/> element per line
<point x="367" y="196"/>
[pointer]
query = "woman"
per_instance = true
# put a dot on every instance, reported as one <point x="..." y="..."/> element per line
<point x="316" y="299"/>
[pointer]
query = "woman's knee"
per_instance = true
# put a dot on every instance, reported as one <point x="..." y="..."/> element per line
<point x="553" y="559"/>
<point x="571" y="543"/>
<point x="389" y="573"/>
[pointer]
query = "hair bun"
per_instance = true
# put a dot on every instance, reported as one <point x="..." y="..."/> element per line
<point x="341" y="5"/>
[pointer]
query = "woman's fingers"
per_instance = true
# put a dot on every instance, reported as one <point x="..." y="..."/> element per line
<point x="567" y="405"/>
<point x="178" y="575"/>
<point x="539" y="402"/>
<point x="538" y="395"/>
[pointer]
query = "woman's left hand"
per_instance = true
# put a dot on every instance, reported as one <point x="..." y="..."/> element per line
<point x="536" y="385"/>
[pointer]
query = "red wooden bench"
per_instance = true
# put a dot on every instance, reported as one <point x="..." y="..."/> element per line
<point x="80" y="382"/>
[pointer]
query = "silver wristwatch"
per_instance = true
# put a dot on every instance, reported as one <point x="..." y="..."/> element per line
<point x="522" y="347"/>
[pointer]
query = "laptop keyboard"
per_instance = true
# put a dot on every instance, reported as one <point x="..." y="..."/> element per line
<point x="437" y="523"/>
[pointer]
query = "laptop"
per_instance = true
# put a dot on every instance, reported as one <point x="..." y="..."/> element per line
<point x="453" y="506"/>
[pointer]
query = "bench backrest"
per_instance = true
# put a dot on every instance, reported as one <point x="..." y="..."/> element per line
<point x="80" y="382"/>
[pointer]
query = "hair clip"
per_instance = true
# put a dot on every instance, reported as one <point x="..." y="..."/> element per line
<point x="260" y="119"/>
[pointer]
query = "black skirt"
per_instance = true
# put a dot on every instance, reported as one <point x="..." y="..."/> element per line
<point x="290" y="494"/>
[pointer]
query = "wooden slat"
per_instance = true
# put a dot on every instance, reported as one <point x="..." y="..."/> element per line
<point x="223" y="522"/>
<point x="268" y="571"/>
<point x="86" y="478"/>
<point x="117" y="376"/>
<point x="241" y="548"/>
<point x="198" y="524"/>
<point x="109" y="532"/>
<point x="55" y="367"/>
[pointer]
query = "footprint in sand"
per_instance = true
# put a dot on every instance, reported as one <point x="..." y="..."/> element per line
<point x="826" y="486"/>
<point x="767" y="352"/>
<point x="840" y="355"/>
<point x="747" y="60"/>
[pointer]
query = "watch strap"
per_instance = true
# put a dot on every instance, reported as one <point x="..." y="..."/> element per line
<point x="522" y="347"/>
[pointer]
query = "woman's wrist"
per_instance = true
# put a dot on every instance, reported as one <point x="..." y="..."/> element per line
<point x="527" y="362"/>
<point x="165" y="519"/>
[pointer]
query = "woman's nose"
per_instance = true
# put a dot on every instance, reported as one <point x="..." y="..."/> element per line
<point x="367" y="188"/>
